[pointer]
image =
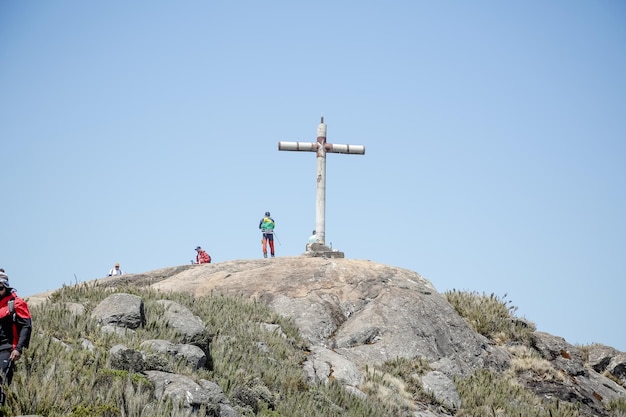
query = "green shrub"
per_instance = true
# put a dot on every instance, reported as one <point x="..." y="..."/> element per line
<point x="491" y="316"/>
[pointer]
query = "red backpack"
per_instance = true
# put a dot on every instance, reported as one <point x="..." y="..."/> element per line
<point x="204" y="257"/>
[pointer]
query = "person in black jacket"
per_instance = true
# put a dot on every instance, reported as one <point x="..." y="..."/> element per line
<point x="15" y="328"/>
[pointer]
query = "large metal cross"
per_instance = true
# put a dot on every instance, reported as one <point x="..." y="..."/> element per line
<point x="321" y="147"/>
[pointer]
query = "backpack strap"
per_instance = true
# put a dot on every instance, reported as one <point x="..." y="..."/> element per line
<point x="11" y="305"/>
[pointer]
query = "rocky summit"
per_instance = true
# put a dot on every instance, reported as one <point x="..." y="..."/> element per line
<point x="357" y="313"/>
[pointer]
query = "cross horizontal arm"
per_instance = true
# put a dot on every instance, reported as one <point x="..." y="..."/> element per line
<point x="314" y="146"/>
<point x="298" y="146"/>
<point x="351" y="149"/>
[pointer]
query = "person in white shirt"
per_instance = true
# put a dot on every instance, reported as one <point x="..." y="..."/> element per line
<point x="313" y="239"/>
<point x="116" y="270"/>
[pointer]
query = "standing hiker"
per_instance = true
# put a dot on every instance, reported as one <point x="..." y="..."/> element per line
<point x="15" y="328"/>
<point x="116" y="270"/>
<point x="202" y="257"/>
<point x="267" y="225"/>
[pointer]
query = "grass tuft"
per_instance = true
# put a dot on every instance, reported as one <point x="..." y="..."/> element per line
<point x="491" y="315"/>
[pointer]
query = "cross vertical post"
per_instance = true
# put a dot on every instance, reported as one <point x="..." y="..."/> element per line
<point x="320" y="190"/>
<point x="321" y="148"/>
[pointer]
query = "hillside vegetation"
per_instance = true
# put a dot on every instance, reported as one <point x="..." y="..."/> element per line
<point x="67" y="372"/>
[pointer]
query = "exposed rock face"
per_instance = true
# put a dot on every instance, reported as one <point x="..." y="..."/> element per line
<point x="364" y="311"/>
<point x="600" y="356"/>
<point x="581" y="384"/>
<point x="562" y="355"/>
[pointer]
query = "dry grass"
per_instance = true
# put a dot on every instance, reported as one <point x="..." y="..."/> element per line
<point x="58" y="377"/>
<point x="397" y="384"/>
<point x="488" y="394"/>
<point x="491" y="316"/>
<point x="525" y="359"/>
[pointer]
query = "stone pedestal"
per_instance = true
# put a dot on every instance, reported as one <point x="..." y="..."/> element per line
<point x="321" y="251"/>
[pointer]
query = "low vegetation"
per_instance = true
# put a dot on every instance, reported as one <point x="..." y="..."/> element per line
<point x="618" y="407"/>
<point x="491" y="315"/>
<point x="62" y="374"/>
<point x="397" y="384"/>
<point x="58" y="376"/>
<point x="500" y="394"/>
<point x="487" y="394"/>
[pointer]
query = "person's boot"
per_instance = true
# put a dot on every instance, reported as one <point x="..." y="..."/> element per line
<point x="272" y="255"/>
<point x="265" y="255"/>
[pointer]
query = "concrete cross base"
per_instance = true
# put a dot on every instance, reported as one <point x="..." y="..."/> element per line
<point x="322" y="251"/>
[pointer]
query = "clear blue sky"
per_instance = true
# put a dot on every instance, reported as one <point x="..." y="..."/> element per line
<point x="495" y="137"/>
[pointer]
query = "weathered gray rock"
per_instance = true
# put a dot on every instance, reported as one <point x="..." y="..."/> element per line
<point x="273" y="328"/>
<point x="188" y="394"/>
<point x="563" y="355"/>
<point x="442" y="387"/>
<point x="120" y="331"/>
<point x="160" y="345"/>
<point x="193" y="355"/>
<point x="128" y="359"/>
<point x="319" y="250"/>
<point x="181" y="319"/>
<point x="122" y="310"/>
<point x="215" y="395"/>
<point x="617" y="366"/>
<point x="322" y="364"/>
<point x="87" y="344"/>
<point x="578" y="384"/>
<point x="600" y="356"/>
<point x="75" y="308"/>
<point x="602" y="388"/>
